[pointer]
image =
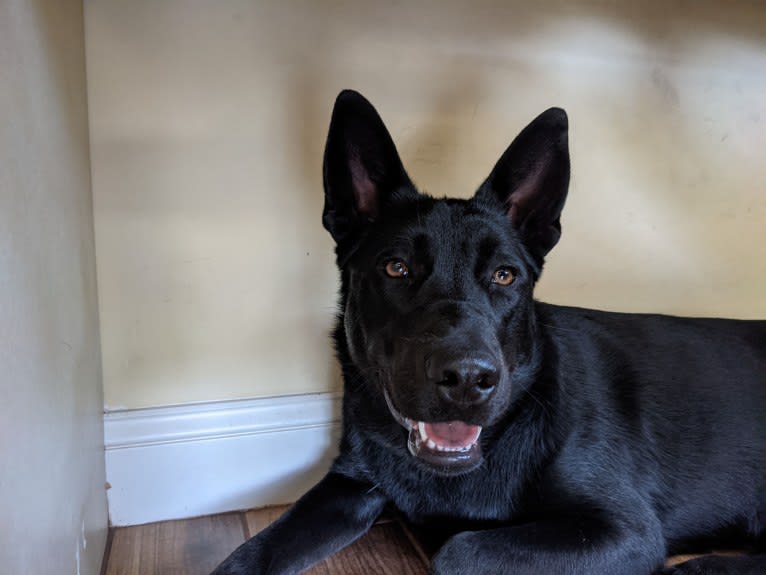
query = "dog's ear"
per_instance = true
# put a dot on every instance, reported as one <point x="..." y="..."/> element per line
<point x="362" y="169"/>
<point x="531" y="179"/>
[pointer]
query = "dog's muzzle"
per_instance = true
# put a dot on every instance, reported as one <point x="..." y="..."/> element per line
<point x="449" y="446"/>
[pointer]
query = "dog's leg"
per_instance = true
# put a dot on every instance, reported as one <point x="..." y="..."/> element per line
<point x="719" y="565"/>
<point x="333" y="514"/>
<point x="572" y="545"/>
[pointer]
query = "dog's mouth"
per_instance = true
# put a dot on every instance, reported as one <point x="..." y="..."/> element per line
<point x="450" y="446"/>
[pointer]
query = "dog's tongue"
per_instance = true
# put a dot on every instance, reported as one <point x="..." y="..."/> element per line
<point x="453" y="434"/>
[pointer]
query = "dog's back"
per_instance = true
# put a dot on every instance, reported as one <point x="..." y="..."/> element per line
<point x="686" y="396"/>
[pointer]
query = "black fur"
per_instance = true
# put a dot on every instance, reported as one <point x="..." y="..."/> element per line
<point x="609" y="440"/>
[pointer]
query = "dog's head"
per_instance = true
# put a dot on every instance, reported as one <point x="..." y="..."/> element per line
<point x="437" y="293"/>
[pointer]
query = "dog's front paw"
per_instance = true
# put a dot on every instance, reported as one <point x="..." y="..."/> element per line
<point x="227" y="570"/>
<point x="234" y="567"/>
<point x="455" y="557"/>
<point x="250" y="558"/>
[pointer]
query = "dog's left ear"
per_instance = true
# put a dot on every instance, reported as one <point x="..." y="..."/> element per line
<point x="531" y="179"/>
<point x="362" y="169"/>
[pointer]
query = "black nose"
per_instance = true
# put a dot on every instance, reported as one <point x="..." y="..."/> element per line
<point x="463" y="379"/>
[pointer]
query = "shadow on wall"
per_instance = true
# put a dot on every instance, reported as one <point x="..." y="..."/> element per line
<point x="668" y="127"/>
<point x="208" y="129"/>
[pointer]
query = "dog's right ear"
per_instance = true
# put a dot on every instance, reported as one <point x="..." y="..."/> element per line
<point x="530" y="181"/>
<point x="362" y="169"/>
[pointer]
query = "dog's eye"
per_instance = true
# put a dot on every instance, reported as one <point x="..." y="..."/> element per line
<point x="397" y="269"/>
<point x="503" y="276"/>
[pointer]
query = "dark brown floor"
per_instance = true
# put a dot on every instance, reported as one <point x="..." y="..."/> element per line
<point x="196" y="546"/>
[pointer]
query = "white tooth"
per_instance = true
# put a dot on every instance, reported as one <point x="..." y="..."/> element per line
<point x="440" y="448"/>
<point x="422" y="429"/>
<point x="431" y="444"/>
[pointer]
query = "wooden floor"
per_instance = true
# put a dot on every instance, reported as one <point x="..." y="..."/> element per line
<point x="196" y="546"/>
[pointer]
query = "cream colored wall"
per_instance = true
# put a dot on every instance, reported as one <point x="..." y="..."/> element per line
<point x="208" y="120"/>
<point x="52" y="498"/>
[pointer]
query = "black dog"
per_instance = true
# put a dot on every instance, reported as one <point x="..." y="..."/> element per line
<point x="547" y="439"/>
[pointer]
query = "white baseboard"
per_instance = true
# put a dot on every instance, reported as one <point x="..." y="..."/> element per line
<point x="190" y="460"/>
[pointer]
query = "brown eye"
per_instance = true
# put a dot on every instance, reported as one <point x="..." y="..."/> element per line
<point x="397" y="269"/>
<point x="503" y="276"/>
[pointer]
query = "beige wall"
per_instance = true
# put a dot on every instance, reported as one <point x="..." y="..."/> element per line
<point x="208" y="120"/>
<point x="52" y="497"/>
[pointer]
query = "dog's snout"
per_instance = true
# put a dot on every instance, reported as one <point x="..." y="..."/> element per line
<point x="467" y="379"/>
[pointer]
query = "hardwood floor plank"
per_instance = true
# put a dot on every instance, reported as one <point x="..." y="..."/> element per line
<point x="107" y="551"/>
<point x="258" y="519"/>
<point x="385" y="550"/>
<point x="187" y="547"/>
<point x="132" y="546"/>
<point x="196" y="546"/>
<point x="676" y="559"/>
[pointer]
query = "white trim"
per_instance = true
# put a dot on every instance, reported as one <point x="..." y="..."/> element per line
<point x="189" y="460"/>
